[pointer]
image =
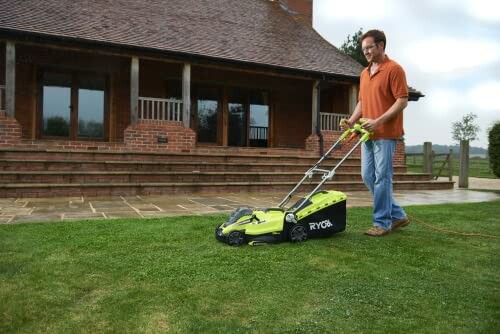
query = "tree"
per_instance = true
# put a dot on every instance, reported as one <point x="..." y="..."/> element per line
<point x="494" y="148"/>
<point x="465" y="129"/>
<point x="352" y="47"/>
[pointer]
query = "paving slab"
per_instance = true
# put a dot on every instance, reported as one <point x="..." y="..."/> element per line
<point x="83" y="208"/>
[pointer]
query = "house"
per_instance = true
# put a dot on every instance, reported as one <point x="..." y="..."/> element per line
<point x="185" y="77"/>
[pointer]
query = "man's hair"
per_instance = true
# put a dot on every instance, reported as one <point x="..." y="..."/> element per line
<point x="377" y="35"/>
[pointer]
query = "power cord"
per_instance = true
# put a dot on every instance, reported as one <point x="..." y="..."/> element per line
<point x="452" y="232"/>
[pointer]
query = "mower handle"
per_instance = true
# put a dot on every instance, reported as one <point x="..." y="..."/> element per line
<point x="356" y="129"/>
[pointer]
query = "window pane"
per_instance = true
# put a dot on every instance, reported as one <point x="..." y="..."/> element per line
<point x="237" y="119"/>
<point x="208" y="105"/>
<point x="90" y="113"/>
<point x="259" y="119"/>
<point x="56" y="110"/>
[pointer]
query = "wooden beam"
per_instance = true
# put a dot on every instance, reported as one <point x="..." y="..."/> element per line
<point x="315" y="106"/>
<point x="353" y="97"/>
<point x="134" y="90"/>
<point x="186" y="94"/>
<point x="10" y="78"/>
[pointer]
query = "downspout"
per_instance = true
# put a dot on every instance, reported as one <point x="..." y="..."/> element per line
<point x="318" y="119"/>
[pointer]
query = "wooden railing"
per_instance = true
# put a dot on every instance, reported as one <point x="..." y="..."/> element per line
<point x="2" y="98"/>
<point x="151" y="108"/>
<point x="432" y="163"/>
<point x="258" y="133"/>
<point x="331" y="121"/>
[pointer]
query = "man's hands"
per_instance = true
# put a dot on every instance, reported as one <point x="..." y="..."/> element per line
<point x="369" y="124"/>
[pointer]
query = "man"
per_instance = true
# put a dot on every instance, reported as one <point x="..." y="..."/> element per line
<point x="383" y="95"/>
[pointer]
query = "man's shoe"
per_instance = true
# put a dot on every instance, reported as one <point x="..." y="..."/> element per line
<point x="377" y="231"/>
<point x="400" y="223"/>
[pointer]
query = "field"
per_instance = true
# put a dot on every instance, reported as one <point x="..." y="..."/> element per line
<point x="171" y="275"/>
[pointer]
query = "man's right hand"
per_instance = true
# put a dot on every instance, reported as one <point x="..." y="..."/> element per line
<point x="345" y="124"/>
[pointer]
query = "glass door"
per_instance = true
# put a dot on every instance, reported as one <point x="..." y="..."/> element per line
<point x="91" y="102"/>
<point x="207" y="107"/>
<point x="57" y="106"/>
<point x="237" y="125"/>
<point x="259" y="119"/>
<point x="73" y="105"/>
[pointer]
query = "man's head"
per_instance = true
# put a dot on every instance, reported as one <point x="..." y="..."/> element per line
<point x="373" y="45"/>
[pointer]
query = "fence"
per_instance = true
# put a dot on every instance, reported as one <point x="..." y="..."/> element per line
<point x="331" y="121"/>
<point x="435" y="164"/>
<point x="151" y="108"/>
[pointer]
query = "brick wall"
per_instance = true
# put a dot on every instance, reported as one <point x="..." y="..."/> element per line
<point x="10" y="131"/>
<point x="330" y="137"/>
<point x="144" y="135"/>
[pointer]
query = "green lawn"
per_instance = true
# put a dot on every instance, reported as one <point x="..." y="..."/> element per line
<point x="478" y="167"/>
<point x="171" y="275"/>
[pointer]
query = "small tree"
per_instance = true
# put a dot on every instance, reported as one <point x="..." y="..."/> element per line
<point x="494" y="148"/>
<point x="352" y="47"/>
<point x="465" y="129"/>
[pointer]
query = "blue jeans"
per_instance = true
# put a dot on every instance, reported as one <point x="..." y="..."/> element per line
<point x="376" y="170"/>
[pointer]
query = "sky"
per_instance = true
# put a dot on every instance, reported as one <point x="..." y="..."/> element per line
<point x="449" y="49"/>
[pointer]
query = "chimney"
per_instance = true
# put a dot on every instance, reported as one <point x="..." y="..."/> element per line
<point x="301" y="8"/>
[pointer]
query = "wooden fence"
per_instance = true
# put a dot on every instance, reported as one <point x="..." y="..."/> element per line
<point x="430" y="162"/>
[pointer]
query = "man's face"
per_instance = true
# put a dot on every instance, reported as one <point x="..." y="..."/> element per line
<point x="373" y="51"/>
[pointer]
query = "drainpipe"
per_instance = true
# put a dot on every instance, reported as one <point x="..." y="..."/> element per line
<point x="318" y="118"/>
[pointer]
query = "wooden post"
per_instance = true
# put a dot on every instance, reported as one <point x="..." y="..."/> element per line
<point x="428" y="158"/>
<point x="10" y="78"/>
<point x="134" y="90"/>
<point x="353" y="97"/>
<point x="450" y="165"/>
<point x="463" y="165"/>
<point x="186" y="94"/>
<point x="315" y="109"/>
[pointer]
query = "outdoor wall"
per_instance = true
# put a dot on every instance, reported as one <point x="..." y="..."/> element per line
<point x="2" y="63"/>
<point x="335" y="99"/>
<point x="32" y="60"/>
<point x="293" y="115"/>
<point x="153" y="77"/>
<point x="290" y="100"/>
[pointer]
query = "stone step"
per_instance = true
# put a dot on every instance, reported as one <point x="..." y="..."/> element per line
<point x="230" y="157"/>
<point x="126" y="189"/>
<point x="79" y="177"/>
<point x="350" y="165"/>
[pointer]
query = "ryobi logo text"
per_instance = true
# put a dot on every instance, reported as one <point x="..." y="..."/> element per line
<point x="321" y="225"/>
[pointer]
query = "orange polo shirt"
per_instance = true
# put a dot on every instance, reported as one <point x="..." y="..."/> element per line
<point x="378" y="93"/>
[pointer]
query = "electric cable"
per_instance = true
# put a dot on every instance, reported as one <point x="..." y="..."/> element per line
<point x="450" y="231"/>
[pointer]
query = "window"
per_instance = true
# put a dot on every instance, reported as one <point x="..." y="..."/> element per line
<point x="73" y="105"/>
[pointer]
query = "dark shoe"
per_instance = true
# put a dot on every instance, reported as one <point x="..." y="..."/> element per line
<point x="400" y="223"/>
<point x="376" y="231"/>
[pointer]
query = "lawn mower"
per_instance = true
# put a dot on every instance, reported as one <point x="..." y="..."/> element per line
<point x="319" y="214"/>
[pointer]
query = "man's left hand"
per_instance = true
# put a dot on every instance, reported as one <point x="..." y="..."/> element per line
<point x="370" y="124"/>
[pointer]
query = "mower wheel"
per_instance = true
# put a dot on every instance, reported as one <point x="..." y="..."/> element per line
<point x="235" y="238"/>
<point x="297" y="233"/>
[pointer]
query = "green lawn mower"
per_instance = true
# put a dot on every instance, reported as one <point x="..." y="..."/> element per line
<point x="321" y="213"/>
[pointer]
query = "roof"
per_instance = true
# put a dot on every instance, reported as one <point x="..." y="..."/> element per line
<point x="246" y="31"/>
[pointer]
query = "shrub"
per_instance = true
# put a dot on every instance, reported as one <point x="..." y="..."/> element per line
<point x="494" y="148"/>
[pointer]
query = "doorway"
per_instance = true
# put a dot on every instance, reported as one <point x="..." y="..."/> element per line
<point x="72" y="106"/>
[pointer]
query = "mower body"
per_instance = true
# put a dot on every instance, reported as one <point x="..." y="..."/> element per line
<point x="322" y="215"/>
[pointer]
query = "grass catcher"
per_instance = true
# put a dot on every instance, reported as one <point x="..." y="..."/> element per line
<point x="319" y="214"/>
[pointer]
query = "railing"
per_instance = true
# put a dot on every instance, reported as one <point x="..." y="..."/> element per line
<point x="331" y="121"/>
<point x="151" y="108"/>
<point x="426" y="163"/>
<point x="258" y="133"/>
<point x="2" y="98"/>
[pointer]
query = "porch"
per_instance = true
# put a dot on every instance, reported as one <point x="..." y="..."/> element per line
<point x="72" y="98"/>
